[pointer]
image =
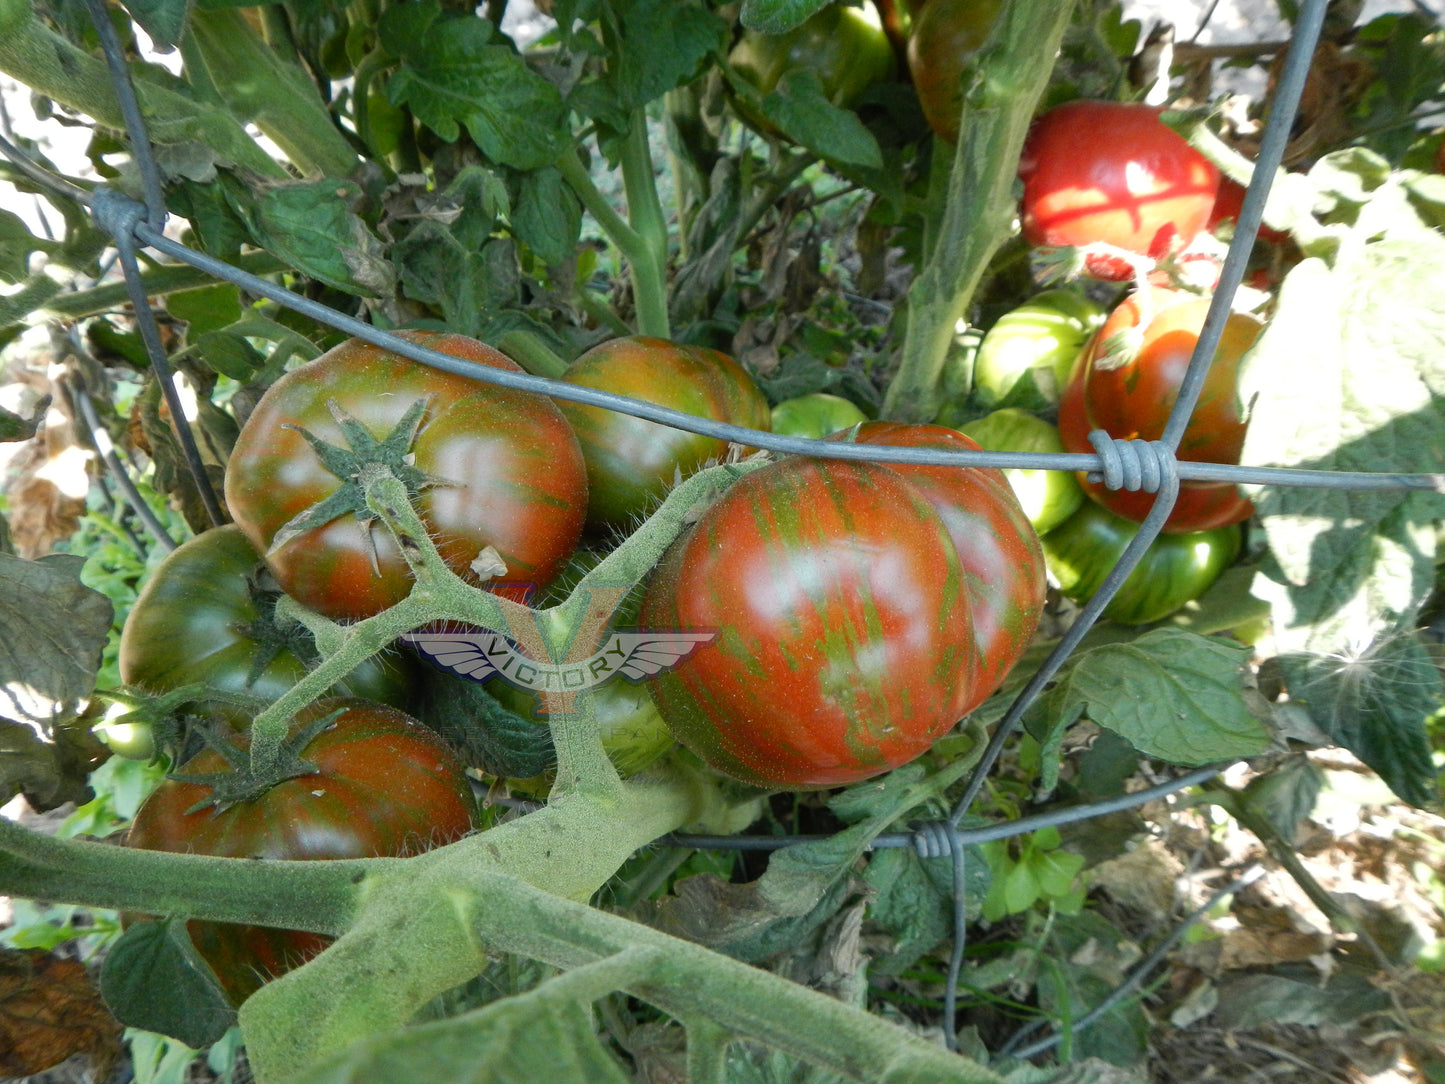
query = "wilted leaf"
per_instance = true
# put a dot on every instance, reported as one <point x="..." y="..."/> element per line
<point x="913" y="901"/>
<point x="154" y="979"/>
<point x="52" y="629"/>
<point x="49" y="1011"/>
<point x="1172" y="694"/>
<point x="1263" y="1000"/>
<point x="312" y="227"/>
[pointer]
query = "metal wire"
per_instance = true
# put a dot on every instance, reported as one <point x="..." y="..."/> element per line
<point x="1152" y="468"/>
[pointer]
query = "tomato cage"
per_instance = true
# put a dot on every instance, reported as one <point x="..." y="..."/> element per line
<point x="1144" y="466"/>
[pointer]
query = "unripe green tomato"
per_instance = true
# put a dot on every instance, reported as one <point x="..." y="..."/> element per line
<point x="1025" y="358"/>
<point x="633" y="732"/>
<point x="1175" y="569"/>
<point x="816" y="415"/>
<point x="844" y="46"/>
<point x="1048" y="497"/>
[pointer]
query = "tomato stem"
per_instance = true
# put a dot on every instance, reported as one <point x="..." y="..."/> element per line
<point x="1012" y="73"/>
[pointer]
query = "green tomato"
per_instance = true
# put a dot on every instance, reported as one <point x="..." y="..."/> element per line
<point x="1025" y="358"/>
<point x="1174" y="571"/>
<point x="1048" y="497"/>
<point x="845" y="47"/>
<point x="816" y="415"/>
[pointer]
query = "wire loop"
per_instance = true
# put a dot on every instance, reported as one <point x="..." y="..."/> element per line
<point x="1134" y="465"/>
<point x="934" y="839"/>
<point x="116" y="213"/>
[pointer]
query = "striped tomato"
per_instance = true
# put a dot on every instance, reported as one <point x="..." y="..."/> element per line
<point x="386" y="786"/>
<point x="845" y="644"/>
<point x="997" y="547"/>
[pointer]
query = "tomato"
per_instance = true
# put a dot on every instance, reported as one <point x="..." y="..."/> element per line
<point x="632" y="463"/>
<point x="996" y="546"/>
<point x="1175" y="569"/>
<point x="845" y="47"/>
<point x="505" y="469"/>
<point x="946" y="35"/>
<point x="845" y="644"/>
<point x="1047" y="497"/>
<point x="1131" y="397"/>
<point x="815" y="415"/>
<point x="386" y="786"/>
<point x="1026" y="357"/>
<point x="1227" y="205"/>
<point x="1099" y="172"/>
<point x="205" y="617"/>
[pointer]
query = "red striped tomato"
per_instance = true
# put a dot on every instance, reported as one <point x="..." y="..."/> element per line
<point x="386" y="786"/>
<point x="996" y="544"/>
<point x="845" y="644"/>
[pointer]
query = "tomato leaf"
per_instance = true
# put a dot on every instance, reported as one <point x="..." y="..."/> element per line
<point x="664" y="43"/>
<point x="52" y="629"/>
<point x="1286" y="796"/>
<point x="468" y="283"/>
<point x="539" y="1035"/>
<point x="548" y="218"/>
<point x="778" y="16"/>
<point x="1375" y="704"/>
<point x="1350" y="376"/>
<point x="16" y="245"/>
<point x="154" y="979"/>
<point x="311" y="226"/>
<point x="485" y="734"/>
<point x="163" y="20"/>
<point x="1174" y="695"/>
<point x="801" y="109"/>
<point x="452" y="77"/>
<point x="1089" y="957"/>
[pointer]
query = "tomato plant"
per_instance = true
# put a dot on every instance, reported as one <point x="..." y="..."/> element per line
<point x="1175" y="569"/>
<point x="632" y="462"/>
<point x="1112" y="173"/>
<point x="1027" y="355"/>
<point x="945" y="36"/>
<point x="815" y="415"/>
<point x="1047" y="497"/>
<point x="385" y="785"/>
<point x="205" y="616"/>
<point x="1127" y="384"/>
<point x="996" y="545"/>
<point x="846" y="646"/>
<point x="495" y="468"/>
<point x="844" y="46"/>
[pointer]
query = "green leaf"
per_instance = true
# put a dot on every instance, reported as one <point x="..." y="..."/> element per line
<point x="520" y="1040"/>
<point x="912" y="901"/>
<point x="163" y="20"/>
<point x="1174" y="695"/>
<point x="52" y="630"/>
<point x="486" y="735"/>
<point x="548" y="218"/>
<point x="664" y="44"/>
<point x="778" y="16"/>
<point x="206" y="308"/>
<point x="1088" y="960"/>
<point x="1375" y="703"/>
<point x="466" y="284"/>
<point x="1286" y="795"/>
<point x="154" y="979"/>
<point x="229" y="355"/>
<point x="450" y="78"/>
<point x="16" y="245"/>
<point x="801" y="109"/>
<point x="1350" y="376"/>
<point x="312" y="227"/>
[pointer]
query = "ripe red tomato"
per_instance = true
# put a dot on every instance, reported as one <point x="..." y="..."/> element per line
<point x="1002" y="561"/>
<point x="845" y="644"/>
<point x="386" y="787"/>
<point x="1131" y="397"/>
<point x="631" y="462"/>
<point x="507" y="469"/>
<point x="204" y="617"/>
<point x="945" y="36"/>
<point x="1098" y="172"/>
